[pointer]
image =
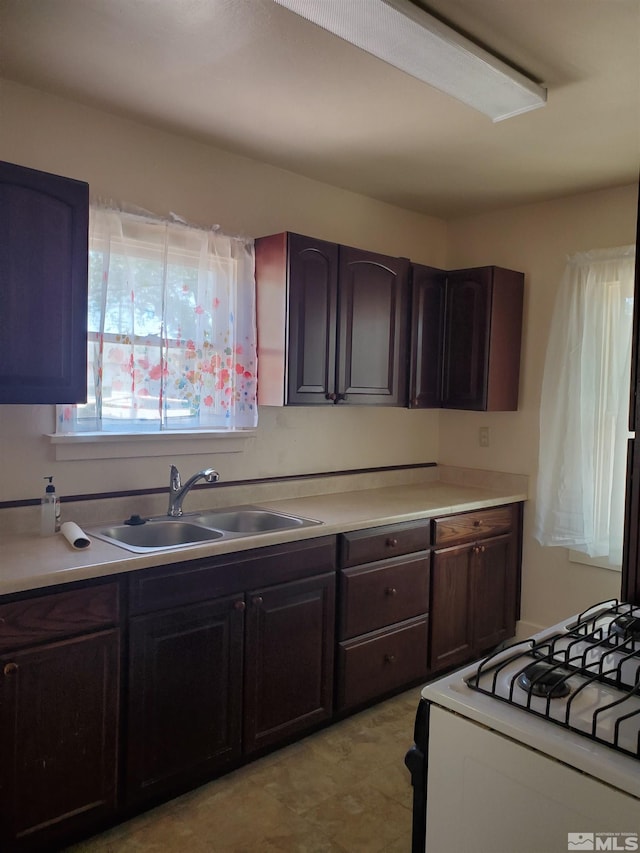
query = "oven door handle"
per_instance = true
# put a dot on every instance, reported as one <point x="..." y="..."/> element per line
<point x="416" y="762"/>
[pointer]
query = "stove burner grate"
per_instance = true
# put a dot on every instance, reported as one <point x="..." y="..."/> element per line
<point x="558" y="682"/>
<point x="545" y="679"/>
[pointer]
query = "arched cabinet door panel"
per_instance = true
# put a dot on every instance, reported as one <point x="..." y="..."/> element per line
<point x="43" y="286"/>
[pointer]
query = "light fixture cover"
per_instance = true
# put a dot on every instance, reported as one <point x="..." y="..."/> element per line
<point x="414" y="41"/>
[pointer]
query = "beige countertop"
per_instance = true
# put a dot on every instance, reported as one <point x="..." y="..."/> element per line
<point x="30" y="562"/>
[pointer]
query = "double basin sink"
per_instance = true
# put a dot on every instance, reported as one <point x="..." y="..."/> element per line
<point x="161" y="534"/>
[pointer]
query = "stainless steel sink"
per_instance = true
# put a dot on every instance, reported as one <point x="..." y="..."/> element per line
<point x="250" y="519"/>
<point x="165" y="533"/>
<point x="156" y="535"/>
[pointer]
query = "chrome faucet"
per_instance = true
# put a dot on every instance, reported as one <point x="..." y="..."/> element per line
<point x="177" y="491"/>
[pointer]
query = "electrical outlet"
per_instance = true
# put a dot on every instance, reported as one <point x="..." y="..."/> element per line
<point x="483" y="436"/>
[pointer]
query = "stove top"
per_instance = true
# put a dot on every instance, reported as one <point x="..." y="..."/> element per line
<point x="584" y="676"/>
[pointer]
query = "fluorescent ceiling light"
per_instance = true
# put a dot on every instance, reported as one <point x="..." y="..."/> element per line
<point x="414" y="41"/>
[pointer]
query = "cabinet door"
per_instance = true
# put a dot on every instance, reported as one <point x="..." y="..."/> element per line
<point x="372" y="342"/>
<point x="466" y="343"/>
<point x="58" y="738"/>
<point x="427" y="318"/>
<point x="184" y="695"/>
<point x="451" y="607"/>
<point x="313" y="294"/>
<point x="43" y="287"/>
<point x="494" y="592"/>
<point x="289" y="659"/>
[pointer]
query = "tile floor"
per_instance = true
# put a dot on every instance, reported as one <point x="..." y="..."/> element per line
<point x="342" y="790"/>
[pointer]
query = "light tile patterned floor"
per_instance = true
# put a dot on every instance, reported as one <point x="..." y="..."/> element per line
<point x="342" y="790"/>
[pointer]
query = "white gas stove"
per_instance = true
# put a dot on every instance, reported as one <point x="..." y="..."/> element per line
<point x="548" y="728"/>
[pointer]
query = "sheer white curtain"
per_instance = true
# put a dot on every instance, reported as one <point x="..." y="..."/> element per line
<point x="584" y="406"/>
<point x="172" y="331"/>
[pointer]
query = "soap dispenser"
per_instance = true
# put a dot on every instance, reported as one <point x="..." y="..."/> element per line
<point x="49" y="510"/>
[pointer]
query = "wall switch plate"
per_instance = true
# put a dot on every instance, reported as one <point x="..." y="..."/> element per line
<point x="483" y="436"/>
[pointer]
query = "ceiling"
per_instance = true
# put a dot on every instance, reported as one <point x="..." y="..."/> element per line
<point x="252" y="77"/>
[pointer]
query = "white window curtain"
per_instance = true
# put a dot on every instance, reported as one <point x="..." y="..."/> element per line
<point x="584" y="407"/>
<point x="172" y="331"/>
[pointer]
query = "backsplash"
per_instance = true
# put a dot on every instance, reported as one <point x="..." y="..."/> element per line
<point x="26" y="520"/>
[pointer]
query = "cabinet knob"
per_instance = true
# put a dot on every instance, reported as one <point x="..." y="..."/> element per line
<point x="477" y="523"/>
<point x="392" y="542"/>
<point x="341" y="397"/>
<point x="10" y="668"/>
<point x="257" y="600"/>
<point x="482" y="548"/>
<point x="330" y="396"/>
<point x="391" y="590"/>
<point x="239" y="605"/>
<point x="414" y="402"/>
<point x="389" y="658"/>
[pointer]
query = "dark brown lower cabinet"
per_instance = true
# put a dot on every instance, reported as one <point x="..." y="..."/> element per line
<point x="474" y="586"/>
<point x="384" y="602"/>
<point x="185" y="695"/>
<point x="58" y="739"/>
<point x="288" y="681"/>
<point x="213" y="680"/>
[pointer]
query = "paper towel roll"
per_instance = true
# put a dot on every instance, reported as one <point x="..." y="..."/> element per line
<point x="75" y="535"/>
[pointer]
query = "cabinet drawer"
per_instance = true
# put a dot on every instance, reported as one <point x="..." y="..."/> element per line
<point x="469" y="526"/>
<point x="383" y="661"/>
<point x="379" y="543"/>
<point x="47" y="617"/>
<point x="199" y="580"/>
<point x="377" y="595"/>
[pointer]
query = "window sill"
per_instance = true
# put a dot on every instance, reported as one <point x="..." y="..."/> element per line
<point x="598" y="562"/>
<point x="100" y="445"/>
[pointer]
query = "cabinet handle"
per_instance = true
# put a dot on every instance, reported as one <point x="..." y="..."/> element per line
<point x="257" y="600"/>
<point x="389" y="658"/>
<point x="330" y="396"/>
<point x="391" y="590"/>
<point x="239" y="605"/>
<point x="10" y="668"/>
<point x="391" y="542"/>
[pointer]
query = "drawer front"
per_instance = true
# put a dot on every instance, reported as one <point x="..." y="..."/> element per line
<point x="383" y="661"/>
<point x="30" y="621"/>
<point x="469" y="526"/>
<point x="380" y="543"/>
<point x="200" y="580"/>
<point x="378" y="595"/>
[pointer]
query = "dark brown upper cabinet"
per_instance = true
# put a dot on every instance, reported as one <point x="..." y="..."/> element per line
<point x="332" y="323"/>
<point x="427" y="327"/>
<point x="43" y="287"/>
<point x="482" y="337"/>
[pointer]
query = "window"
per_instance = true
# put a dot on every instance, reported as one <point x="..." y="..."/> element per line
<point x="584" y="407"/>
<point x="171" y="329"/>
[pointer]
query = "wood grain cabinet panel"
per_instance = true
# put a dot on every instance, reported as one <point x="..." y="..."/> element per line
<point x="482" y="339"/>
<point x="44" y="223"/>
<point x="289" y="659"/>
<point x="59" y="712"/>
<point x="383" y="612"/>
<point x="428" y="288"/>
<point x="332" y="323"/>
<point x="185" y="689"/>
<point x="378" y="663"/>
<point x="475" y="586"/>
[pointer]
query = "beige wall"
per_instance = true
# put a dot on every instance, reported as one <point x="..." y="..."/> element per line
<point x="535" y="239"/>
<point x="128" y="162"/>
<point x="161" y="172"/>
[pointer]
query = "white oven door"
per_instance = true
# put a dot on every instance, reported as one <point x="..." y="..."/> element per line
<point x="489" y="794"/>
